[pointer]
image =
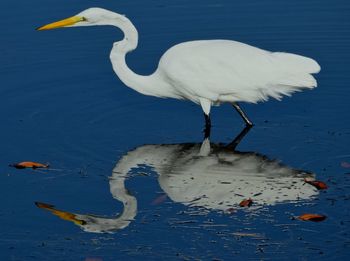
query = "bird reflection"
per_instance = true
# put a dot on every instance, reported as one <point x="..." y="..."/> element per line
<point x="216" y="177"/>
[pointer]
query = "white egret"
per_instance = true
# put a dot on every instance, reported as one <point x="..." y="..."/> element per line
<point x="207" y="72"/>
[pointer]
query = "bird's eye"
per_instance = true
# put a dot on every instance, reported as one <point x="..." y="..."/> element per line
<point x="83" y="19"/>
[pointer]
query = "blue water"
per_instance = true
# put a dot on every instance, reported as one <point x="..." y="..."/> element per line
<point x="61" y="103"/>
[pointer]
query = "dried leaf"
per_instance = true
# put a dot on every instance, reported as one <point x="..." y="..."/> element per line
<point x="246" y="202"/>
<point x="29" y="164"/>
<point x="317" y="184"/>
<point x="312" y="217"/>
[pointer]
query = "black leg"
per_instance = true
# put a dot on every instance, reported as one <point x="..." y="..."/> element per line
<point x="239" y="137"/>
<point x="207" y="126"/>
<point x="243" y="115"/>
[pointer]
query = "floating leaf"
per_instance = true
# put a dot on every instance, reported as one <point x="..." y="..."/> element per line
<point x="62" y="214"/>
<point x="29" y="164"/>
<point x="246" y="202"/>
<point x="312" y="217"/>
<point x="317" y="184"/>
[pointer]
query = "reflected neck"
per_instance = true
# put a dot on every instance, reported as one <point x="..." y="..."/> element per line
<point x="120" y="193"/>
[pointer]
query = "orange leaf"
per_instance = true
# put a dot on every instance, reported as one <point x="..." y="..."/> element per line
<point x="317" y="184"/>
<point x="246" y="202"/>
<point x="312" y="217"/>
<point x="29" y="164"/>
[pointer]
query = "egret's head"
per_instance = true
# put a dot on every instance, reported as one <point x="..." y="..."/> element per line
<point x="88" y="17"/>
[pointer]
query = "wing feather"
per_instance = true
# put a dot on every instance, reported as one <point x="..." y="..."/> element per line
<point x="222" y="70"/>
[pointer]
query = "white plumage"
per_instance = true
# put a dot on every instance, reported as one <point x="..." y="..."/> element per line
<point x="230" y="71"/>
<point x="206" y="176"/>
<point x="206" y="72"/>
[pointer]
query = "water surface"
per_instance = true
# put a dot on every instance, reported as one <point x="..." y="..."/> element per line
<point x="61" y="103"/>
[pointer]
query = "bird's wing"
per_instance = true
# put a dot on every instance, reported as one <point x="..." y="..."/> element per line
<point x="221" y="69"/>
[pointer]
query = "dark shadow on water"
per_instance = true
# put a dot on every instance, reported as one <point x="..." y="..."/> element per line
<point x="214" y="177"/>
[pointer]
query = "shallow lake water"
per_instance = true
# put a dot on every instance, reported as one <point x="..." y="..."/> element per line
<point x="130" y="176"/>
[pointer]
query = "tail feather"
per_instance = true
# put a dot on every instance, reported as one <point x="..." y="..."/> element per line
<point x="303" y="80"/>
<point x="297" y="62"/>
<point x="292" y="73"/>
<point x="278" y="91"/>
<point x="288" y="85"/>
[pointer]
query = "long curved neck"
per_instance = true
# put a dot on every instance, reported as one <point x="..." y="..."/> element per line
<point x="140" y="83"/>
<point x="120" y="193"/>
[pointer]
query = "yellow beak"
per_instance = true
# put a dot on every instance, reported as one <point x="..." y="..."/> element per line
<point x="62" y="214"/>
<point x="62" y="23"/>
